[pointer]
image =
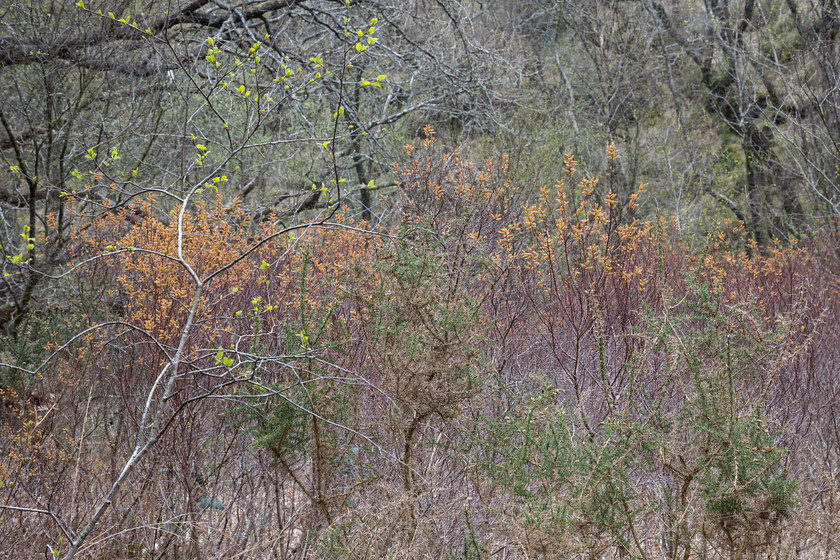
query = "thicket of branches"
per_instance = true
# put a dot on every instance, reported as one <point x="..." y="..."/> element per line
<point x="256" y="306"/>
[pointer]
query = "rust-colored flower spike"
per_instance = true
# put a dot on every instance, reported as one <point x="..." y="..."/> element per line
<point x="570" y="164"/>
<point x="587" y="186"/>
<point x="634" y="198"/>
<point x="612" y="153"/>
<point x="429" y="133"/>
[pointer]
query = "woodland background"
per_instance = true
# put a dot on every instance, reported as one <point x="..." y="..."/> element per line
<point x="420" y="279"/>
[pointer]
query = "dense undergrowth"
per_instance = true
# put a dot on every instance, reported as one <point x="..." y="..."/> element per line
<point x="500" y="375"/>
